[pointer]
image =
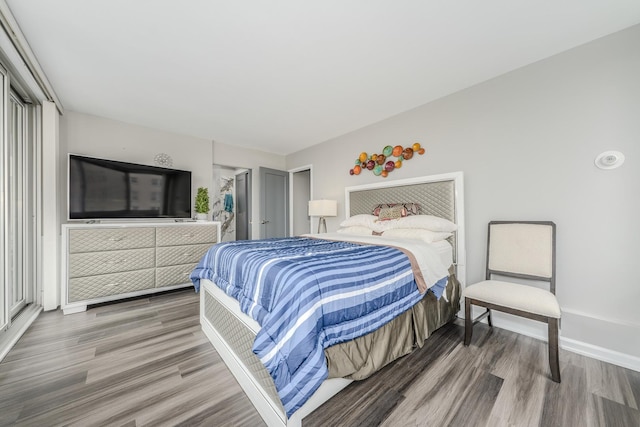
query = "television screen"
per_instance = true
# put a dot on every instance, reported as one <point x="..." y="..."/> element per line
<point x="108" y="189"/>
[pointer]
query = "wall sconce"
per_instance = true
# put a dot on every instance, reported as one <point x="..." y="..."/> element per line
<point x="323" y="208"/>
<point x="609" y="160"/>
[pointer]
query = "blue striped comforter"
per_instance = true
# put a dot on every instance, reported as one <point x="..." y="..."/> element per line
<point x="308" y="294"/>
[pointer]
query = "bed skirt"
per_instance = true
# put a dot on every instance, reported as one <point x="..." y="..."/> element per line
<point x="232" y="334"/>
<point x="360" y="358"/>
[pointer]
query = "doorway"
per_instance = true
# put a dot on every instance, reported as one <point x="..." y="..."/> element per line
<point x="301" y="193"/>
<point x="243" y="205"/>
<point x="282" y="201"/>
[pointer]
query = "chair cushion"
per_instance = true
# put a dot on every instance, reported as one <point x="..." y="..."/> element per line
<point x="513" y="295"/>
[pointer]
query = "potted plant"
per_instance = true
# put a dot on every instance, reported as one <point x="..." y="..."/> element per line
<point x="202" y="203"/>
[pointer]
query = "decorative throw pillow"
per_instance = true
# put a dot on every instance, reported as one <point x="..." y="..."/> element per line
<point x="411" y="208"/>
<point x="394" y="212"/>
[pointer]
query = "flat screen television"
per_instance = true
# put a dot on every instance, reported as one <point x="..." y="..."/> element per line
<point x="108" y="189"/>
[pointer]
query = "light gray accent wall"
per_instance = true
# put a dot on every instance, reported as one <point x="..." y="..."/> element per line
<point x="99" y="137"/>
<point x="526" y="142"/>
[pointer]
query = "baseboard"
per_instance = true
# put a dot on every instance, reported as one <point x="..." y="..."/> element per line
<point x="18" y="328"/>
<point x="576" y="324"/>
<point x="601" y="353"/>
<point x="607" y="339"/>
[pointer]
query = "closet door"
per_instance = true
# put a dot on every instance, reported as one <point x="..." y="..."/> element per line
<point x="274" y="203"/>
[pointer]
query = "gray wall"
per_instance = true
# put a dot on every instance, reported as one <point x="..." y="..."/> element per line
<point x="526" y="142"/>
<point x="99" y="137"/>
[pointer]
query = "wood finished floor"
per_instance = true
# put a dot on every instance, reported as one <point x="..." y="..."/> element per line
<point x="146" y="362"/>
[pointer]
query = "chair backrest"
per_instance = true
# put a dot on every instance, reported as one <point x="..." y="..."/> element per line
<point x="524" y="249"/>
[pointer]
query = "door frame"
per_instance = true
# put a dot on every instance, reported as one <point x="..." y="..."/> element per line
<point x="292" y="195"/>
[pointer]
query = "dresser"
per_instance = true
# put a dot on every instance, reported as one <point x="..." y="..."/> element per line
<point x="107" y="262"/>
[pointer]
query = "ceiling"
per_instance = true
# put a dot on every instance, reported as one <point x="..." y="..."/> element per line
<point x="283" y="75"/>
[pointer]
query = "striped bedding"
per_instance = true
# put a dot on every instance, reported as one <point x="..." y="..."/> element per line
<point x="308" y="294"/>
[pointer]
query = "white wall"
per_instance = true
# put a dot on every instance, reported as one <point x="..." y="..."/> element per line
<point x="245" y="158"/>
<point x="526" y="142"/>
<point x="96" y="136"/>
<point x="50" y="206"/>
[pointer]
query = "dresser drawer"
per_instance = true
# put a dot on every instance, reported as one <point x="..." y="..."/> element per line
<point x="174" y="275"/>
<point x="91" y="287"/>
<point x="94" y="263"/>
<point x="175" y="255"/>
<point x="110" y="239"/>
<point x="106" y="262"/>
<point x="186" y="235"/>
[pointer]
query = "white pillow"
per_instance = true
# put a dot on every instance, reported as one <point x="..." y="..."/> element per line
<point x="420" y="234"/>
<point x="356" y="229"/>
<point x="426" y="222"/>
<point x="362" y="220"/>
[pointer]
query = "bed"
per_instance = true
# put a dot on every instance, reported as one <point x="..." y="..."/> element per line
<point x="233" y="333"/>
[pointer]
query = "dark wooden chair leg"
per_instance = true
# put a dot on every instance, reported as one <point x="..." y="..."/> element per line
<point x="468" y="322"/>
<point x="554" y="361"/>
<point x="489" y="318"/>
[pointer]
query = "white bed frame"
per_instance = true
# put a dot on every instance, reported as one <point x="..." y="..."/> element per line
<point x="271" y="411"/>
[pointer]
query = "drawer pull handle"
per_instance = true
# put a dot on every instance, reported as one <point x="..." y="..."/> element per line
<point x="186" y="254"/>
<point x="122" y="261"/>
<point x="116" y="283"/>
<point x="186" y="274"/>
<point x="116" y="239"/>
<point x="187" y="235"/>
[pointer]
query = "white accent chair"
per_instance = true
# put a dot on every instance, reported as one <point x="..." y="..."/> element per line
<point x="524" y="250"/>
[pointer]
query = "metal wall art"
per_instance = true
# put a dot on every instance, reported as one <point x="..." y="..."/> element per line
<point x="384" y="163"/>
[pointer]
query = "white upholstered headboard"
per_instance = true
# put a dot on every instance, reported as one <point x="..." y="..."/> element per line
<point x="439" y="195"/>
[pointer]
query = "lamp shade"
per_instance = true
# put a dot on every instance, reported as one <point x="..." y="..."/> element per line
<point x="323" y="208"/>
